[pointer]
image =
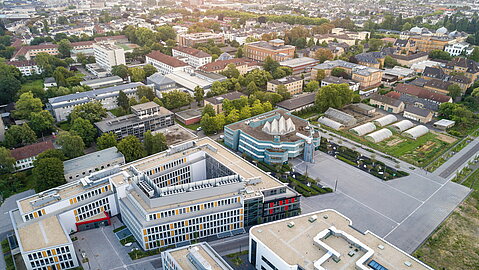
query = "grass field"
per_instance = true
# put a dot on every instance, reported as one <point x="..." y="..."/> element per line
<point x="419" y="152"/>
<point x="35" y="83"/>
<point x="193" y="127"/>
<point x="455" y="244"/>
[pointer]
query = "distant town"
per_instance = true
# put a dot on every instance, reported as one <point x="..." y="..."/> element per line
<point x="239" y="135"/>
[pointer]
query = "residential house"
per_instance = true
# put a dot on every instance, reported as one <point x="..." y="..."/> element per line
<point x="25" y="155"/>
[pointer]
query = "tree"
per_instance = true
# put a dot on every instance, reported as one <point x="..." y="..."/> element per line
<point x="10" y="82"/>
<point x="333" y="95"/>
<point x="72" y="144"/>
<point x="474" y="56"/>
<point x="323" y="54"/>
<point x="208" y="109"/>
<point x="123" y="101"/>
<point x="251" y="88"/>
<point x="91" y="111"/>
<point x="245" y="112"/>
<point x="320" y="75"/>
<point x="149" y="70"/>
<point x="158" y="101"/>
<point x="233" y="116"/>
<point x="267" y="106"/>
<point x="26" y="105"/>
<point x="260" y="77"/>
<point x="137" y="74"/>
<point x="454" y="91"/>
<point x="390" y="62"/>
<point x="64" y="48"/>
<point x="199" y="94"/>
<point x="106" y="140"/>
<point x="17" y="136"/>
<point x="257" y="108"/>
<point x="7" y="162"/>
<point x="84" y="129"/>
<point x="131" y="148"/>
<point x="208" y="124"/>
<point x="50" y="153"/>
<point x="120" y="71"/>
<point x="231" y="71"/>
<point x="220" y="121"/>
<point x="41" y="122"/>
<point x="145" y="91"/>
<point x="176" y="99"/>
<point x="312" y="86"/>
<point x="339" y="72"/>
<point x="154" y="143"/>
<point x="61" y="74"/>
<point x="270" y="65"/>
<point x="239" y="53"/>
<point x="440" y="54"/>
<point x="48" y="173"/>
<point x="283" y="91"/>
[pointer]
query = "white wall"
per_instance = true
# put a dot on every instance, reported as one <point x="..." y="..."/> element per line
<point x="263" y="250"/>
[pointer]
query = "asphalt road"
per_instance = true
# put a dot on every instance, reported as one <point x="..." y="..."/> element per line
<point x="458" y="160"/>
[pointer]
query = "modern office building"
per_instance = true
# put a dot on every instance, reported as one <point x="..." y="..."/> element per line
<point x="165" y="64"/>
<point x="192" y="191"/>
<point x="273" y="137"/>
<point x="293" y="84"/>
<point x="197" y="256"/>
<point x="190" y="40"/>
<point x="108" y="55"/>
<point x="62" y="106"/>
<point x="193" y="57"/>
<point x="275" y="48"/>
<point x="144" y="117"/>
<point x="85" y="165"/>
<point x="323" y="240"/>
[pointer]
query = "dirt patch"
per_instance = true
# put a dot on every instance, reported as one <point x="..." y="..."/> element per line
<point x="427" y="146"/>
<point x="395" y="142"/>
<point x="445" y="138"/>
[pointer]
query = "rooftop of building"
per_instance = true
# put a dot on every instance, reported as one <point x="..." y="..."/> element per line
<point x="202" y="35"/>
<point x="358" y="69"/>
<point x="295" y="240"/>
<point x="421" y="92"/>
<point x="268" y="46"/>
<point x="31" y="150"/>
<point x="298" y="101"/>
<point x="230" y="96"/>
<point x="192" y="51"/>
<point x="168" y="60"/>
<point x="202" y="253"/>
<point x="254" y="126"/>
<point x="108" y="46"/>
<point x="301" y="61"/>
<point x="130" y="119"/>
<point x="190" y="113"/>
<point x="91" y="160"/>
<point x="176" y="134"/>
<point x="222" y="64"/>
<point x="336" y="80"/>
<point x="105" y="80"/>
<point x="286" y="80"/>
<point x="46" y="232"/>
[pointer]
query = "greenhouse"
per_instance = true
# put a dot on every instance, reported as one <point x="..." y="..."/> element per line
<point x="416" y="132"/>
<point x="330" y="123"/>
<point x="402" y="125"/>
<point x="385" y="120"/>
<point x="379" y="135"/>
<point x="363" y="129"/>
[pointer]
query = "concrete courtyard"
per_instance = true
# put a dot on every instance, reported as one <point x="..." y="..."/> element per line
<point x="404" y="211"/>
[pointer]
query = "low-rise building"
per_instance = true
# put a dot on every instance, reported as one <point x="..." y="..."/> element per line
<point x="469" y="68"/>
<point x="190" y="40"/>
<point x="300" y="65"/>
<point x="165" y="64"/>
<point x="108" y="55"/>
<point x="410" y="59"/>
<point x="293" y="84"/>
<point x="461" y="48"/>
<point x="273" y="137"/>
<point x="243" y="65"/>
<point x="371" y="59"/>
<point x="62" y="106"/>
<point x="26" y="67"/>
<point x="323" y="240"/>
<point x="189" y="117"/>
<point x="217" y="101"/>
<point x="338" y="80"/>
<point x="386" y="103"/>
<point x="193" y="57"/>
<point x="144" y="117"/>
<point x="161" y="83"/>
<point x="85" y="165"/>
<point x="189" y="80"/>
<point x="25" y="155"/>
<point x="276" y="49"/>
<point x="298" y="103"/>
<point x="197" y="256"/>
<point x="103" y="82"/>
<point x="421" y="115"/>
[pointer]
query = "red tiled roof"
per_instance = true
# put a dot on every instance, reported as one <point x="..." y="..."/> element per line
<point x="421" y="92"/>
<point x="393" y="94"/>
<point x="169" y="60"/>
<point x="31" y="150"/>
<point x="83" y="43"/>
<point x="192" y="51"/>
<point x="23" y="50"/>
<point x="221" y="64"/>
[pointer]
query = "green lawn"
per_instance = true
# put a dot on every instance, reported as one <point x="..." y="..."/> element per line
<point x="35" y="83"/>
<point x="454" y="244"/>
<point x="118" y="112"/>
<point x="193" y="127"/>
<point x="419" y="152"/>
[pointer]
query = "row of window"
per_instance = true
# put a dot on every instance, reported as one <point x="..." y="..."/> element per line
<point x="180" y="176"/>
<point x="194" y="208"/>
<point x="94" y="209"/>
<point x="48" y="253"/>
<point x="166" y="166"/>
<point x="92" y="193"/>
<point x="51" y="260"/>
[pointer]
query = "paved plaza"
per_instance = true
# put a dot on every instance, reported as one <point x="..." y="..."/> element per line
<point x="405" y="211"/>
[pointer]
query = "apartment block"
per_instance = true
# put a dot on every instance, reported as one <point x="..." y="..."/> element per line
<point x="293" y="84"/>
<point x="62" y="106"/>
<point x="165" y="64"/>
<point x="275" y="48"/>
<point x="193" y="57"/>
<point x="144" y="117"/>
<point x="108" y="55"/>
<point x="190" y="40"/>
<point x="323" y="240"/>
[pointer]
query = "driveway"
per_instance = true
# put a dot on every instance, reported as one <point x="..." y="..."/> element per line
<point x="404" y="211"/>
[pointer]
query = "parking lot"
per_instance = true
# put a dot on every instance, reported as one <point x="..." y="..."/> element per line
<point x="404" y="211"/>
<point x="104" y="251"/>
